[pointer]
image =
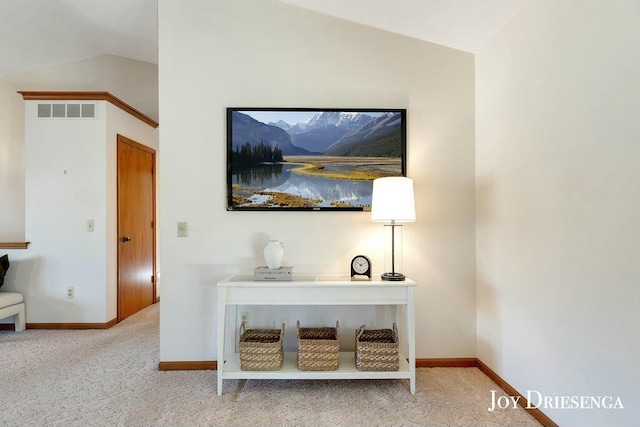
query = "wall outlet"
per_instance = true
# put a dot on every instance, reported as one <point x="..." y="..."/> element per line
<point x="70" y="292"/>
<point x="182" y="229"/>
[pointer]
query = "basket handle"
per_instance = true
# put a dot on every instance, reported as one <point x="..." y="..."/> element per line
<point x="243" y="326"/>
<point x="337" y="330"/>
<point x="297" y="329"/>
<point x="395" y="331"/>
<point x="359" y="331"/>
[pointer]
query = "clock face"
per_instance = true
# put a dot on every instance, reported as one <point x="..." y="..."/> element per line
<point x="360" y="265"/>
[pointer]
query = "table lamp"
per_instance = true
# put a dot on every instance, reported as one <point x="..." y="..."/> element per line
<point x="392" y="201"/>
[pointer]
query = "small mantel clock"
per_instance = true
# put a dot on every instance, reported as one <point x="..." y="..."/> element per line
<point x="360" y="268"/>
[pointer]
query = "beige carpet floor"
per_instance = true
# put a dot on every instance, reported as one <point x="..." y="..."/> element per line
<point x="110" y="378"/>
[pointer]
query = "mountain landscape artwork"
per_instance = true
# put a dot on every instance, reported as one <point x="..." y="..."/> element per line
<point x="311" y="159"/>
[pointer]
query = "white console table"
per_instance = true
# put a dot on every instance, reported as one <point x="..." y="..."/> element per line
<point x="315" y="290"/>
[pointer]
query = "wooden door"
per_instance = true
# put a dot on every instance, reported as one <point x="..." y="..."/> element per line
<point x="136" y="227"/>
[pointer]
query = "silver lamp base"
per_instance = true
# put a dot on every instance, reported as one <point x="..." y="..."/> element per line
<point x="398" y="277"/>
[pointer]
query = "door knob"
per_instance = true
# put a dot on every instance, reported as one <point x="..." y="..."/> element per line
<point x="126" y="239"/>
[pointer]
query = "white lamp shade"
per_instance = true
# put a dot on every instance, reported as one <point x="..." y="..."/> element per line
<point x="392" y="200"/>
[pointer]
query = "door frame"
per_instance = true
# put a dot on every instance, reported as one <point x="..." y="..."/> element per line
<point x="124" y="140"/>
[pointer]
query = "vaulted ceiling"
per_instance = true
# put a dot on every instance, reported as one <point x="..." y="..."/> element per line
<point x="460" y="24"/>
<point x="36" y="34"/>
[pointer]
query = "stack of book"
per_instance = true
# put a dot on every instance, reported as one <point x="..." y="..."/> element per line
<point x="266" y="273"/>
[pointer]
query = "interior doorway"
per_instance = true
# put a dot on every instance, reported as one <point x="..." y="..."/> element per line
<point x="136" y="227"/>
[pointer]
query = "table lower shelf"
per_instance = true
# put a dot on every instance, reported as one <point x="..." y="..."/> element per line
<point x="347" y="370"/>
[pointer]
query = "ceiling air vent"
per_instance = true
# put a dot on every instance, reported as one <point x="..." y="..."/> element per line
<point x="73" y="110"/>
<point x="88" y="110"/>
<point x="57" y="110"/>
<point x="44" y="110"/>
<point x="67" y="111"/>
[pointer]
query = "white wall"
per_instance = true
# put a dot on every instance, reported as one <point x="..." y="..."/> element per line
<point x="226" y="53"/>
<point x="71" y="177"/>
<point x="558" y="204"/>
<point x="65" y="185"/>
<point x="133" y="81"/>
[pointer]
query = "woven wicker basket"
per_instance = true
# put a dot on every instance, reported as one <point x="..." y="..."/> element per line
<point x="377" y="349"/>
<point x="261" y="349"/>
<point x="318" y="348"/>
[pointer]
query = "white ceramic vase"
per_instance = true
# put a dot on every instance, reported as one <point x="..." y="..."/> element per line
<point x="273" y="251"/>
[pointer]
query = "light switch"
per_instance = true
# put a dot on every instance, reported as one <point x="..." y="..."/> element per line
<point x="182" y="229"/>
<point x="89" y="225"/>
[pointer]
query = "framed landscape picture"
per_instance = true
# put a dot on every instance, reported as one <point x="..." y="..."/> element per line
<point x="311" y="159"/>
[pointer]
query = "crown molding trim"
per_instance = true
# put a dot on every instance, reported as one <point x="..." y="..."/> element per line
<point x="87" y="96"/>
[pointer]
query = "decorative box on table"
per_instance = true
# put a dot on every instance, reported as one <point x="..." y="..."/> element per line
<point x="318" y="348"/>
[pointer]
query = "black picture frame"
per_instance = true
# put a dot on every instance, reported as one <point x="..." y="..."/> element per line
<point x="311" y="159"/>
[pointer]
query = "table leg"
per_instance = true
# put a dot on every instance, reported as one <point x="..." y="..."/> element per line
<point x="411" y="338"/>
<point x="221" y="329"/>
